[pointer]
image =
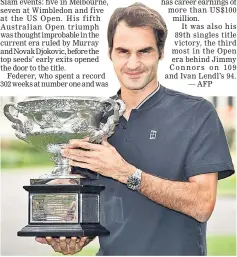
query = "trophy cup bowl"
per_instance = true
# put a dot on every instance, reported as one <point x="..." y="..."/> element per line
<point x="71" y="206"/>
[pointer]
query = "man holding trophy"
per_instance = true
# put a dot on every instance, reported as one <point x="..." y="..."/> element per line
<point x="161" y="166"/>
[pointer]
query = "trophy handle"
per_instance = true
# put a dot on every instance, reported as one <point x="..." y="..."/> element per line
<point x="18" y="125"/>
<point x="8" y="114"/>
<point x="108" y="128"/>
<point x="122" y="107"/>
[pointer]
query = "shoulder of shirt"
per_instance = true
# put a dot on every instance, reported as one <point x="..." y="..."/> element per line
<point x="198" y="101"/>
<point x="172" y="92"/>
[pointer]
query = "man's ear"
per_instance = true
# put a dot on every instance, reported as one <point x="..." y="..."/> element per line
<point x="162" y="54"/>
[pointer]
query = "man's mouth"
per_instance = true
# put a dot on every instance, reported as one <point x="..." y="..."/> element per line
<point x="134" y="75"/>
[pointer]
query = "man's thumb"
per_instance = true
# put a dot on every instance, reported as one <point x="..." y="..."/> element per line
<point x="105" y="142"/>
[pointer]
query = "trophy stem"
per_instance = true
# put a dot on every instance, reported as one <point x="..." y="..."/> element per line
<point x="62" y="167"/>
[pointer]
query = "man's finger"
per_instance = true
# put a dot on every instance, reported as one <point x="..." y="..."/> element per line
<point x="78" y="152"/>
<point x="54" y="244"/>
<point x="88" y="158"/>
<point x="105" y="142"/>
<point x="84" y="145"/>
<point x="74" y="140"/>
<point x="86" y="139"/>
<point x="63" y="243"/>
<point x="77" y="158"/>
<point x="41" y="240"/>
<point x="87" y="241"/>
<point x="80" y="164"/>
<point x="82" y="241"/>
<point x="72" y="243"/>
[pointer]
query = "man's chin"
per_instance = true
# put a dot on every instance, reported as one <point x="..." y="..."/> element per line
<point x="134" y="85"/>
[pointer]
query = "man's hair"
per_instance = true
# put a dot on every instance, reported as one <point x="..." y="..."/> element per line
<point x="138" y="15"/>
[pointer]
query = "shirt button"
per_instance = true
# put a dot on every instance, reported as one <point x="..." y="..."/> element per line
<point x="124" y="127"/>
<point x="127" y="140"/>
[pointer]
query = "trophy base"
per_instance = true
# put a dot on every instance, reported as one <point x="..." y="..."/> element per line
<point x="69" y="210"/>
<point x="72" y="230"/>
<point x="44" y="181"/>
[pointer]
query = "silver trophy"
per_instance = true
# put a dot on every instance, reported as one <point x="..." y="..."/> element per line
<point x="71" y="205"/>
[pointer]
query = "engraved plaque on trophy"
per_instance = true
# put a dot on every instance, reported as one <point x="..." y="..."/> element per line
<point x="62" y="203"/>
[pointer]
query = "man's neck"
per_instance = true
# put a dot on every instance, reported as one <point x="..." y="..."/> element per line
<point x="132" y="98"/>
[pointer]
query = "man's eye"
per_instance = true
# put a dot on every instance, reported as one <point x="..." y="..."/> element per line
<point x="145" y="51"/>
<point x="123" y="52"/>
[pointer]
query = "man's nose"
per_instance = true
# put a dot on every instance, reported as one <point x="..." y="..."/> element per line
<point x="133" y="62"/>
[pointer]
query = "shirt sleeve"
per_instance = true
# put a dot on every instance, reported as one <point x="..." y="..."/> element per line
<point x="208" y="151"/>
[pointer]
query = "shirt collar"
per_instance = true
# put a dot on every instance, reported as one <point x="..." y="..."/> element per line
<point x="150" y="100"/>
<point x="148" y="97"/>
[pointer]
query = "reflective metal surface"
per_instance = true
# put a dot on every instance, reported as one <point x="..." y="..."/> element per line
<point x="50" y="122"/>
<point x="54" y="208"/>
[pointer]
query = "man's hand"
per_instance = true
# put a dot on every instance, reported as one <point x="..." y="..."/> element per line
<point x="65" y="245"/>
<point x="102" y="158"/>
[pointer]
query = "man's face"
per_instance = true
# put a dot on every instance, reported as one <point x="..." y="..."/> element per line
<point x="135" y="56"/>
